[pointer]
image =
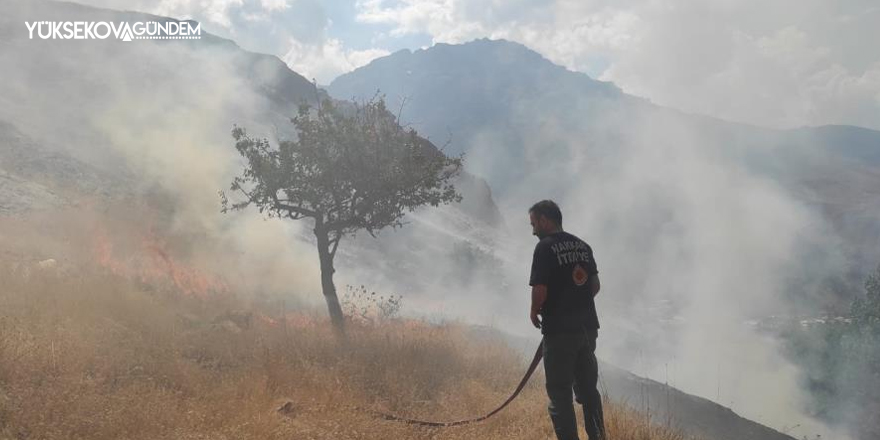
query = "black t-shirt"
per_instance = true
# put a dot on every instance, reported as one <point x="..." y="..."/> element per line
<point x="564" y="263"/>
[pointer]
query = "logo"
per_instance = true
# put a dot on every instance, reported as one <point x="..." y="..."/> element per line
<point x="123" y="31"/>
<point x="579" y="275"/>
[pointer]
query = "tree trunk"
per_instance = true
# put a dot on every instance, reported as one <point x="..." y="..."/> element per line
<point x="327" y="285"/>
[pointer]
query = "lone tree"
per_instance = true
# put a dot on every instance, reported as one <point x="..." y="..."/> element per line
<point x="349" y="169"/>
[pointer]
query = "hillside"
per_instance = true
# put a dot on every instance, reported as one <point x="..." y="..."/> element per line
<point x="88" y="352"/>
<point x="92" y="350"/>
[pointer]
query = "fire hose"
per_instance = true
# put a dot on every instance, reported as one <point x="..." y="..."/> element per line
<point x="539" y="353"/>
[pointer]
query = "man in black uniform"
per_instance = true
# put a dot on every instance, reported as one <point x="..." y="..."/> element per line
<point x="564" y="282"/>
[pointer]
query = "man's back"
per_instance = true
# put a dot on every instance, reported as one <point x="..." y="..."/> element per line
<point x="564" y="263"/>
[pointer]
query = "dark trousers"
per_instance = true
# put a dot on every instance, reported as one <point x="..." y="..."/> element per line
<point x="570" y="362"/>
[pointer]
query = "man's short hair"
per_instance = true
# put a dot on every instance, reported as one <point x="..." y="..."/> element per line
<point x="549" y="209"/>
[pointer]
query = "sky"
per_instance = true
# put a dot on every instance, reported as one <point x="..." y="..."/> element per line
<point x="781" y="64"/>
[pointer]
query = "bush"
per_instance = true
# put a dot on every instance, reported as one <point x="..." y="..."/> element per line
<point x="369" y="307"/>
<point x="841" y="364"/>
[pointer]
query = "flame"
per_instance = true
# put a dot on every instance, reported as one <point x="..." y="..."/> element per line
<point x="104" y="255"/>
<point x="267" y="319"/>
<point x="187" y="279"/>
<point x="151" y="263"/>
<point x="300" y="321"/>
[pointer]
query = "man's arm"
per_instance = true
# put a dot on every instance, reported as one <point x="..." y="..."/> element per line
<point x="594" y="284"/>
<point x="539" y="295"/>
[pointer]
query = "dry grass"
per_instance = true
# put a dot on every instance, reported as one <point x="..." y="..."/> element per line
<point x="85" y="354"/>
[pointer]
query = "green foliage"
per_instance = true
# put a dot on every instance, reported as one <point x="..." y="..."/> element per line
<point x="866" y="310"/>
<point x="841" y="364"/>
<point x="350" y="169"/>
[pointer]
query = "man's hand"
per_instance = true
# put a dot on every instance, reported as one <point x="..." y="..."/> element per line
<point x="536" y="320"/>
<point x="539" y="295"/>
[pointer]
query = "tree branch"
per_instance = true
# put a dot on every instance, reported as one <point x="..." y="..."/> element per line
<point x="298" y="210"/>
<point x="335" y="244"/>
<point x="247" y="195"/>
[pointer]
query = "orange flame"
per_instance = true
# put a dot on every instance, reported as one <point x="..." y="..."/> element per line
<point x="152" y="264"/>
